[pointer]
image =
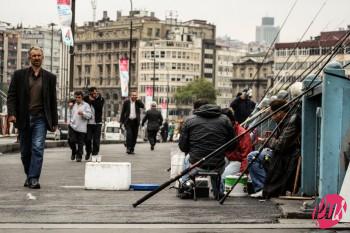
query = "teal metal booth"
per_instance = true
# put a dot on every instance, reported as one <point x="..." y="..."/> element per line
<point x="325" y="132"/>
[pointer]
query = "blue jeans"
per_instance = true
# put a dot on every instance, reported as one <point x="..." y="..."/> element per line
<point x="32" y="142"/>
<point x="256" y="170"/>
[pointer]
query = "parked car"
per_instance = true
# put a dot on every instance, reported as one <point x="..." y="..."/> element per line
<point x="113" y="131"/>
<point x="53" y="135"/>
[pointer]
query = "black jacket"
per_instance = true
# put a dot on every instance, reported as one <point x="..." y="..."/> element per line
<point x="203" y="133"/>
<point x="154" y="119"/>
<point x="18" y="98"/>
<point x="124" y="116"/>
<point x="98" y="106"/>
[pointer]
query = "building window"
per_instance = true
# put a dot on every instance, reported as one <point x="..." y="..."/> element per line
<point x="149" y="31"/>
<point x="157" y="32"/>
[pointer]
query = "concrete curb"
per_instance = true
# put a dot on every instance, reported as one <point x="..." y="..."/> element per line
<point x="291" y="209"/>
<point x="14" y="147"/>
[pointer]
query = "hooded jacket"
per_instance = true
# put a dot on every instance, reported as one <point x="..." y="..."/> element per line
<point x="203" y="133"/>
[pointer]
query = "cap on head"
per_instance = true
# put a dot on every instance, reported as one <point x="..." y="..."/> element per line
<point x="153" y="104"/>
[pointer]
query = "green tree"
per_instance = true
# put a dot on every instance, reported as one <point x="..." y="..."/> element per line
<point x="198" y="89"/>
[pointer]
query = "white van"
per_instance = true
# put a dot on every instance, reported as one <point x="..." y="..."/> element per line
<point x="113" y="131"/>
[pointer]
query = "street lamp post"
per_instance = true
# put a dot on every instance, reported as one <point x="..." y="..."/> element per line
<point x="130" y="46"/>
<point x="52" y="25"/>
<point x="154" y="70"/>
<point x="167" y="94"/>
<point x="71" y="65"/>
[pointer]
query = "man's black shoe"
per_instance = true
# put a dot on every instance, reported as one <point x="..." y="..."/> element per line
<point x="128" y="151"/>
<point x="87" y="156"/>
<point x="152" y="147"/>
<point x="72" y="157"/>
<point x="78" y="159"/>
<point x="34" y="184"/>
<point x="26" y="183"/>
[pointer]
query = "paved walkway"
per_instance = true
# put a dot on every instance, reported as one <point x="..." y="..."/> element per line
<point x="63" y="200"/>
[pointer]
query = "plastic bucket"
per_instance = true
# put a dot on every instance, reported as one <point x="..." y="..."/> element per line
<point x="240" y="189"/>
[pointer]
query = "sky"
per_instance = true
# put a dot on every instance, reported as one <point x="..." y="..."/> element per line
<point x="235" y="18"/>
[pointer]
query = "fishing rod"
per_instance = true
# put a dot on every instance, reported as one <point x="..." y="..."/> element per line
<point x="313" y="64"/>
<point x="230" y="142"/>
<point x="296" y="46"/>
<point x="272" y="91"/>
<point x="295" y="104"/>
<point x="221" y="148"/>
<point x="276" y="37"/>
<point x="294" y="107"/>
<point x="317" y="63"/>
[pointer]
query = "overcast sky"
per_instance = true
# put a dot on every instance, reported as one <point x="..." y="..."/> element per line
<point x="235" y="18"/>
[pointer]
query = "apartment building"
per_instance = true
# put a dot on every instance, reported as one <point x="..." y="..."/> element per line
<point x="99" y="46"/>
<point x="304" y="55"/>
<point x="165" y="66"/>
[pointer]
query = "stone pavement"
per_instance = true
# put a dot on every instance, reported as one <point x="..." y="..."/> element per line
<point x="63" y="199"/>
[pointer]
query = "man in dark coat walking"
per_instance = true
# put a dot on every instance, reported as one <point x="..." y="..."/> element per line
<point x="32" y="107"/>
<point x="130" y="118"/>
<point x="154" y="121"/>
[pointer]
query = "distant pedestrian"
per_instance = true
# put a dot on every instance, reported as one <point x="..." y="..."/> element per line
<point x="154" y="121"/>
<point x="32" y="107"/>
<point x="130" y="118"/>
<point x="93" y="135"/>
<point x="81" y="113"/>
<point x="171" y="131"/>
<point x="164" y="131"/>
<point x="242" y="106"/>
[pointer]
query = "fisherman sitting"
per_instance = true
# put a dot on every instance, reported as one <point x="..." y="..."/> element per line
<point x="273" y="170"/>
<point x="236" y="158"/>
<point x="202" y="134"/>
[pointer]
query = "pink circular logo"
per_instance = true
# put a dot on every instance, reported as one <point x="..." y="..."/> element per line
<point x="330" y="211"/>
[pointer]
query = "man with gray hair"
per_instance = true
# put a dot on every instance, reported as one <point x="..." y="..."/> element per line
<point x="154" y="121"/>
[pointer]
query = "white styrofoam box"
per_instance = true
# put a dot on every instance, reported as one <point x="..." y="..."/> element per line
<point x="107" y="176"/>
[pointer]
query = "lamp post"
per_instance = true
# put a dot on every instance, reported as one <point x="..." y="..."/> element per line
<point x="52" y="25"/>
<point x="71" y="65"/>
<point x="130" y="46"/>
<point x="154" y="70"/>
<point x="167" y="93"/>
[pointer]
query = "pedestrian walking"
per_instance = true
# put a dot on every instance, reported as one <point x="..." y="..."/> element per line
<point x="81" y="113"/>
<point x="32" y="107"/>
<point x="154" y="121"/>
<point x="94" y="126"/>
<point x="164" y="131"/>
<point x="130" y="118"/>
<point x="171" y="131"/>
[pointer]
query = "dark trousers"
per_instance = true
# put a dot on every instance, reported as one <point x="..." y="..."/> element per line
<point x="32" y="143"/>
<point x="76" y="142"/>
<point x="164" y="135"/>
<point x="132" y="129"/>
<point x="93" y="136"/>
<point x="152" y="137"/>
